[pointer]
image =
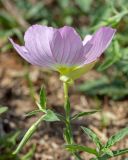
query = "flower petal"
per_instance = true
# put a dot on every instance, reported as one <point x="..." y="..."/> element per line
<point x="100" y="40"/>
<point x="57" y="46"/>
<point x="80" y="59"/>
<point x="37" y="41"/>
<point x="72" y="45"/>
<point x="23" y="52"/>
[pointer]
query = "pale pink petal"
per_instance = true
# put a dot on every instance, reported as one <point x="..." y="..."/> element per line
<point x="72" y="45"/>
<point x="23" y="52"/>
<point x="100" y="40"/>
<point x="37" y="41"/>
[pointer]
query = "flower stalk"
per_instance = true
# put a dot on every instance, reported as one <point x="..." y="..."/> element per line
<point x="67" y="114"/>
<point x="68" y="130"/>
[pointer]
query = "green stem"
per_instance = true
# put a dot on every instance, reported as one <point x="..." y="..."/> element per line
<point x="69" y="136"/>
<point x="67" y="114"/>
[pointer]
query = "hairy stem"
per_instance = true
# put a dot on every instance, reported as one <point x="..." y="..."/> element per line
<point x="69" y="136"/>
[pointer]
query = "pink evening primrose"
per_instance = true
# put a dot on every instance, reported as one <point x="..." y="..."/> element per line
<point x="63" y="49"/>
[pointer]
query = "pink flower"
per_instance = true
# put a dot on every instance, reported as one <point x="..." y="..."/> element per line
<point x="62" y="48"/>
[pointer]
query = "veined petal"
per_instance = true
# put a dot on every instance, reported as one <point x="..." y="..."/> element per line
<point x="37" y="41"/>
<point x="62" y="49"/>
<point x="72" y="45"/>
<point x="100" y="40"/>
<point x="80" y="59"/>
<point x="57" y="46"/>
<point x="23" y="52"/>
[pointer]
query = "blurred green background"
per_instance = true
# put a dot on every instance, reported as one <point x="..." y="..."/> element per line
<point x="86" y="16"/>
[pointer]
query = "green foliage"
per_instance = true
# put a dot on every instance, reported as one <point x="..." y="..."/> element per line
<point x="93" y="137"/>
<point x="81" y="114"/>
<point x="7" y="144"/>
<point x="42" y="99"/>
<point x="107" y="156"/>
<point x="117" y="137"/>
<point x="75" y="147"/>
<point x="9" y="139"/>
<point x="103" y="151"/>
<point x="49" y="116"/>
<point x="3" y="109"/>
<point x="86" y="16"/>
<point x="33" y="113"/>
<point x="114" y="55"/>
<point x="28" y="134"/>
<point x="113" y="86"/>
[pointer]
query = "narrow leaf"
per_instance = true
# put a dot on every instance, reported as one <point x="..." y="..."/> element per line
<point x="28" y="134"/>
<point x="92" y="136"/>
<point x="32" y="113"/>
<point x="115" y="154"/>
<point x="120" y="152"/>
<point x="116" y="138"/>
<point x="74" y="147"/>
<point x="107" y="151"/>
<point x="81" y="114"/>
<point x="42" y="99"/>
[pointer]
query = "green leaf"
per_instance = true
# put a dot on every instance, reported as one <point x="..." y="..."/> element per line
<point x="107" y="151"/>
<point x="116" y="138"/>
<point x="32" y="113"/>
<point x="42" y="99"/>
<point x="120" y="152"/>
<point x="50" y="116"/>
<point x="115" y="154"/>
<point x="81" y="114"/>
<point x="92" y="136"/>
<point x="28" y="134"/>
<point x="3" y="109"/>
<point x="74" y="147"/>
